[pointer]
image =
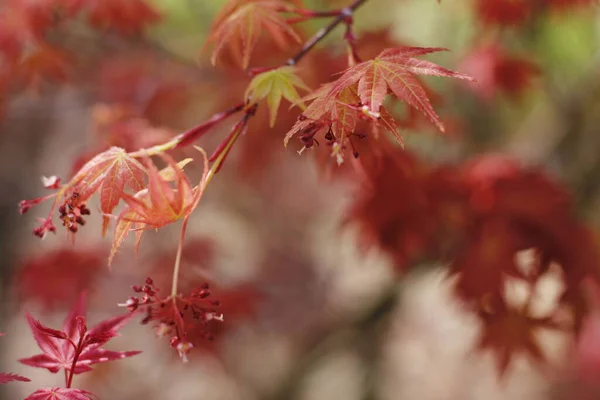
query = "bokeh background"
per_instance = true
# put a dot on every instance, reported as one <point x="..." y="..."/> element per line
<point x="308" y="314"/>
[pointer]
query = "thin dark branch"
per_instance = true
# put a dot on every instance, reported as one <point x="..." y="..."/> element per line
<point x="344" y="14"/>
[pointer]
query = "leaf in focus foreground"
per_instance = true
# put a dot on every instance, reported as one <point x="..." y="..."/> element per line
<point x="395" y="70"/>
<point x="111" y="172"/>
<point x="160" y="204"/>
<point x="61" y="347"/>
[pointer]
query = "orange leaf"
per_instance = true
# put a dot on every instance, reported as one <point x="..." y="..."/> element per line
<point x="110" y="172"/>
<point x="241" y="22"/>
<point x="159" y="204"/>
<point x="394" y="70"/>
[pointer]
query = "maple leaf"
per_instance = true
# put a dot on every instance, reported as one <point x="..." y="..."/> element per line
<point x="159" y="204"/>
<point x="274" y="85"/>
<point x="6" y="377"/>
<point x="110" y="172"/>
<point x="242" y="22"/>
<point x="75" y="348"/>
<point x="60" y="394"/>
<point x="394" y="70"/>
<point x="339" y="116"/>
<point x="508" y="331"/>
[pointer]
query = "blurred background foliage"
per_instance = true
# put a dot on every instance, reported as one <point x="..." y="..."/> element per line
<point x="312" y="316"/>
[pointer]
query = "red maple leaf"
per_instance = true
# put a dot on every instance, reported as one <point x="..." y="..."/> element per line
<point x="394" y="70"/>
<point x="6" y="377"/>
<point x="109" y="173"/>
<point x="75" y="348"/>
<point x="160" y="203"/>
<point x="508" y="331"/>
<point x="60" y="394"/>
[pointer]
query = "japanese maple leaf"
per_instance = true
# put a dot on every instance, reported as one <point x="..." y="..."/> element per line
<point x="508" y="331"/>
<point x="75" y="347"/>
<point x="6" y="377"/>
<point x="394" y="70"/>
<point x="159" y="204"/>
<point x="60" y="394"/>
<point x="110" y="172"/>
<point x="339" y="115"/>
<point x="241" y="22"/>
<point x="274" y="85"/>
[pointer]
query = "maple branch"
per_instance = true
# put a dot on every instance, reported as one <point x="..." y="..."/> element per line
<point x="343" y="15"/>
<point x="191" y="135"/>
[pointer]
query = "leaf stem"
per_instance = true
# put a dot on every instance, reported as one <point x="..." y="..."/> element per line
<point x="176" y="268"/>
<point x="191" y="135"/>
<point x="342" y="16"/>
<point x="75" y="358"/>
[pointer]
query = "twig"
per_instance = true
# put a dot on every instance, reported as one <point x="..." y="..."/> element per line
<point x="343" y="15"/>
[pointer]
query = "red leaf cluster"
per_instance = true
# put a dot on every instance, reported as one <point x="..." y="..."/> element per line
<point x="518" y="12"/>
<point x="176" y="315"/>
<point x="478" y="217"/>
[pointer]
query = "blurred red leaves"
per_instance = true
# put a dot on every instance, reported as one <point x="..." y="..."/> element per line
<point x="519" y="12"/>
<point x="240" y="25"/>
<point x="478" y="217"/>
<point x="509" y="331"/>
<point x="56" y="278"/>
<point x="498" y="71"/>
<point x="125" y="16"/>
<point x="407" y="205"/>
<point x="504" y="12"/>
<point x="28" y="52"/>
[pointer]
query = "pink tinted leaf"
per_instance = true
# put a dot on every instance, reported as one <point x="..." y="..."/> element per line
<point x="59" y="353"/>
<point x="6" y="377"/>
<point x="49" y="344"/>
<point x="60" y="394"/>
<point x="42" y="361"/>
